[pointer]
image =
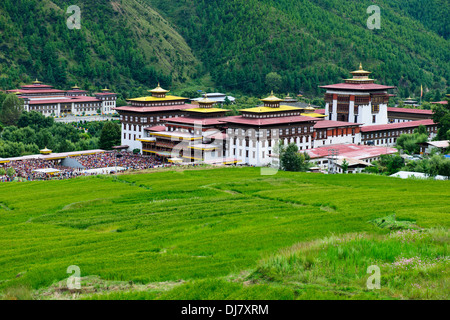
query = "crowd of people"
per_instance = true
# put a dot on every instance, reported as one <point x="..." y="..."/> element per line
<point x="127" y="160"/>
<point x="25" y="170"/>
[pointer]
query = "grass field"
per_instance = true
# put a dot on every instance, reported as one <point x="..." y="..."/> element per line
<point x="225" y="234"/>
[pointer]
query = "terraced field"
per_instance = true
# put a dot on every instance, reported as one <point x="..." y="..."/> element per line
<point x="224" y="234"/>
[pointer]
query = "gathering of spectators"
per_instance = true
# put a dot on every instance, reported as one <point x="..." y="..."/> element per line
<point x="24" y="170"/>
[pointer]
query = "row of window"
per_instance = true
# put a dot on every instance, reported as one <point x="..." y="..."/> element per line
<point x="271" y="115"/>
<point x="395" y="133"/>
<point x="145" y="119"/>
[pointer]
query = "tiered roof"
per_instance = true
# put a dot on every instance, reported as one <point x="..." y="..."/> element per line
<point x="359" y="82"/>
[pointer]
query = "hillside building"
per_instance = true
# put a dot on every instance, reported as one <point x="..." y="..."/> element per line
<point x="356" y="115"/>
<point x="217" y="97"/>
<point x="197" y="136"/>
<point x="49" y="101"/>
<point x="387" y="134"/>
<point x="396" y="115"/>
<point x="253" y="135"/>
<point x="357" y="156"/>
<point x="149" y="111"/>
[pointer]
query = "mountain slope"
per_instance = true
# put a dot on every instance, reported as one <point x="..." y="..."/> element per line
<point x="122" y="44"/>
<point x="313" y="42"/>
<point x="129" y="45"/>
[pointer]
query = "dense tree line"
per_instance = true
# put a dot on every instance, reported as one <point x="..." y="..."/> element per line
<point x="311" y="43"/>
<point x="441" y="116"/>
<point x="249" y="46"/>
<point x="432" y="165"/>
<point x="36" y="43"/>
<point x="34" y="132"/>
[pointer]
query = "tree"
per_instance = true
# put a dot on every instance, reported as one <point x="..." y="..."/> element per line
<point x="273" y="81"/>
<point x="409" y="142"/>
<point x="421" y="130"/>
<point x="441" y="116"/>
<point x="390" y="164"/>
<point x="227" y="101"/>
<point x="34" y="119"/>
<point x="110" y="136"/>
<point x="344" y="165"/>
<point x="291" y="160"/>
<point x="12" y="108"/>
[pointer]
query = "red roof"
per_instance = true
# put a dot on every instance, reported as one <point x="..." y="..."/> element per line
<point x="219" y="136"/>
<point x="37" y="91"/>
<point x="440" y="102"/>
<point x="105" y="93"/>
<point x="154" y="109"/>
<point x="156" y="128"/>
<point x="406" y="110"/>
<point x="36" y="86"/>
<point x="202" y="121"/>
<point x="333" y="124"/>
<point x="399" y="125"/>
<point x="320" y="111"/>
<point x="267" y="121"/>
<point x="352" y="151"/>
<point x="358" y="87"/>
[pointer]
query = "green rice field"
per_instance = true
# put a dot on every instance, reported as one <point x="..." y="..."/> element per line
<point x="226" y="233"/>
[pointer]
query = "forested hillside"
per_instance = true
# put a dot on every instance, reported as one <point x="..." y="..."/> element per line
<point x="129" y="45"/>
<point x="121" y="44"/>
<point x="315" y="42"/>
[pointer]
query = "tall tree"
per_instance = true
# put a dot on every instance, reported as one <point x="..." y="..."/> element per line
<point x="292" y="160"/>
<point x="110" y="136"/>
<point x="12" y="108"/>
<point x="273" y="81"/>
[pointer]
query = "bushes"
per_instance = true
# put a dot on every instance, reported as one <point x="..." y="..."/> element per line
<point x="291" y="160"/>
<point x="409" y="142"/>
<point x="436" y="165"/>
<point x="35" y="131"/>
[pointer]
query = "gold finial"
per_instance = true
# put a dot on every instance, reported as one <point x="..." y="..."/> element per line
<point x="271" y="93"/>
<point x="360" y="66"/>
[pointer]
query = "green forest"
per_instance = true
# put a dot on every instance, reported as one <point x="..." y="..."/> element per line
<point x="113" y="48"/>
<point x="310" y="43"/>
<point x="129" y="45"/>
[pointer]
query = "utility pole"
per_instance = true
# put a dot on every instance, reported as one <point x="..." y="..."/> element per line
<point x="332" y="158"/>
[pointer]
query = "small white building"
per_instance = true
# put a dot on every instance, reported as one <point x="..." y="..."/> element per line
<point x="218" y="98"/>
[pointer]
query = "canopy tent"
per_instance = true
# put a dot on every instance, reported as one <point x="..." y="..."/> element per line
<point x="50" y="171"/>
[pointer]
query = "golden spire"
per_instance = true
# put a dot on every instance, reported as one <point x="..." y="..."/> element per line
<point x="205" y="102"/>
<point x="360" y="66"/>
